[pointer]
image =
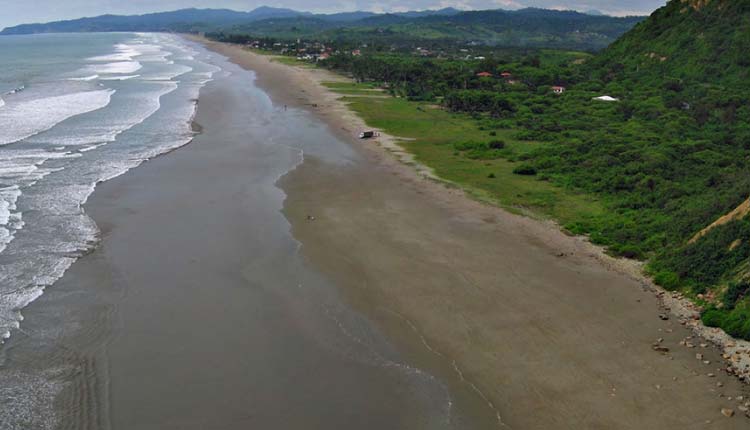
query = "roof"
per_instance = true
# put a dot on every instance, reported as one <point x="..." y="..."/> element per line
<point x="484" y="74"/>
<point x="606" y="99"/>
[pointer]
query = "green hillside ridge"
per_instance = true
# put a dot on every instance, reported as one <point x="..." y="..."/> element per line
<point x="673" y="155"/>
<point x="522" y="28"/>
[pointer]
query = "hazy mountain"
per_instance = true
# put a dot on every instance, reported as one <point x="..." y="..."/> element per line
<point x="526" y="27"/>
<point x="179" y="20"/>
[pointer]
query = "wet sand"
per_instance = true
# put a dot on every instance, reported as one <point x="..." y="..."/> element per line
<point x="527" y="316"/>
<point x="196" y="310"/>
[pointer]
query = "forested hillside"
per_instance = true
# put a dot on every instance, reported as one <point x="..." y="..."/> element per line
<point x="522" y="28"/>
<point x="672" y="156"/>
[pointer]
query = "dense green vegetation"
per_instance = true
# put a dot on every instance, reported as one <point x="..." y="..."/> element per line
<point x="661" y="163"/>
<point x="641" y="172"/>
<point x="524" y="28"/>
<point x="471" y="153"/>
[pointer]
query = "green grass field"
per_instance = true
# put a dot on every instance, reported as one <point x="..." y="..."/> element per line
<point x="292" y="61"/>
<point x="283" y="59"/>
<point x="435" y="132"/>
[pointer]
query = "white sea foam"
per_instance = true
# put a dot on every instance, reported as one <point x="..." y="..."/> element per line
<point x="120" y="118"/>
<point x="56" y="171"/>
<point x="22" y="120"/>
<point x="84" y="78"/>
<point x="123" y="52"/>
<point x="119" y="78"/>
<point x="2" y="102"/>
<point x="10" y="220"/>
<point x="16" y="90"/>
<point x="118" y="67"/>
<point x="57" y="230"/>
<point x="169" y="74"/>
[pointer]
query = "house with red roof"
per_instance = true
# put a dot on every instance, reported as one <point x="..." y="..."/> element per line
<point x="558" y="89"/>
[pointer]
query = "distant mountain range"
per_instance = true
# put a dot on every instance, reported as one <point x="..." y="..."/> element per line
<point x="198" y="17"/>
<point x="525" y="27"/>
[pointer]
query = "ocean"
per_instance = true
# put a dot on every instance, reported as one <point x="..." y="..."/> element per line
<point x="76" y="110"/>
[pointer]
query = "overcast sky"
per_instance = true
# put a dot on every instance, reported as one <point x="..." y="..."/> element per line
<point x="26" y="11"/>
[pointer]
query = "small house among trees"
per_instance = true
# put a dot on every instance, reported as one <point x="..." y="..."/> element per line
<point x="484" y="74"/>
<point x="558" y="89"/>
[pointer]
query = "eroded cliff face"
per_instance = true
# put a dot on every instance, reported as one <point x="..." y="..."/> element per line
<point x="701" y="4"/>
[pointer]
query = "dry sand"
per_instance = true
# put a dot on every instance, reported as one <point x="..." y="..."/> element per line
<point x="547" y="329"/>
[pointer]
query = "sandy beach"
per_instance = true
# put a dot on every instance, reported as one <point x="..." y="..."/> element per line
<point x="277" y="273"/>
<point x="196" y="309"/>
<point x="538" y="323"/>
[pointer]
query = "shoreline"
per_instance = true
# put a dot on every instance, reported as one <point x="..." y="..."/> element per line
<point x="195" y="309"/>
<point x="293" y="85"/>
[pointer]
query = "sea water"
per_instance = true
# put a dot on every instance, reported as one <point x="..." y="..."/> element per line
<point x="76" y="110"/>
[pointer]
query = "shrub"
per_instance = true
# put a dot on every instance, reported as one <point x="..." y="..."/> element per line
<point x="667" y="279"/>
<point x="628" y="251"/>
<point x="468" y="146"/>
<point x="493" y="133"/>
<point x="713" y="317"/>
<point x="497" y="144"/>
<point x="525" y="169"/>
<point x="737" y="323"/>
<point x="491" y="176"/>
<point x="735" y="292"/>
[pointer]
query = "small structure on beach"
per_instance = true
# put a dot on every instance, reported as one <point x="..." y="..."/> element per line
<point x="606" y="99"/>
<point x="368" y="134"/>
<point x="558" y="89"/>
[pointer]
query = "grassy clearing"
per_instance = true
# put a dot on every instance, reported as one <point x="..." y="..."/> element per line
<point x="351" y="86"/>
<point x="435" y="132"/>
<point x="356" y="89"/>
<point x="283" y="59"/>
<point x="293" y="61"/>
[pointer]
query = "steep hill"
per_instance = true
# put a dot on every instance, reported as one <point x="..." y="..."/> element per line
<point x="672" y="156"/>
<point x="179" y="20"/>
<point x="704" y="41"/>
